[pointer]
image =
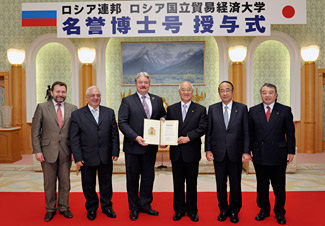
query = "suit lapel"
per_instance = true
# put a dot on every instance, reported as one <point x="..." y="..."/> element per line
<point x="139" y="104"/>
<point x="189" y="113"/>
<point x="219" y="114"/>
<point x="153" y="104"/>
<point x="51" y="109"/>
<point x="102" y="114"/>
<point x="67" y="111"/>
<point x="89" y="115"/>
<point x="262" y="117"/>
<point x="234" y="113"/>
<point x="178" y="112"/>
<point x="273" y="118"/>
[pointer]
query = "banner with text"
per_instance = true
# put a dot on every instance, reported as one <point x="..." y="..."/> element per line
<point x="164" y="18"/>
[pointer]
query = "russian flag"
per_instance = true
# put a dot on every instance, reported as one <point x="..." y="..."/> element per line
<point x="39" y="14"/>
<point x="39" y="18"/>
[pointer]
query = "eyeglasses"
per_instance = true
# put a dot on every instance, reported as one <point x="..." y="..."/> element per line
<point x="94" y="95"/>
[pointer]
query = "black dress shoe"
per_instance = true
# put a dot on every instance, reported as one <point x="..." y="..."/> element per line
<point x="234" y="218"/>
<point x="133" y="215"/>
<point x="91" y="215"/>
<point x="194" y="217"/>
<point x="110" y="213"/>
<point x="281" y="219"/>
<point x="177" y="216"/>
<point x="149" y="211"/>
<point x="261" y="216"/>
<point x="222" y="216"/>
<point x="49" y="216"/>
<point x="66" y="213"/>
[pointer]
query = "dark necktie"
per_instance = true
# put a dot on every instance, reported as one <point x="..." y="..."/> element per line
<point x="268" y="113"/>
<point x="145" y="106"/>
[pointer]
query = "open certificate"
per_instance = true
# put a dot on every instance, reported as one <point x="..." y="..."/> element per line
<point x="160" y="133"/>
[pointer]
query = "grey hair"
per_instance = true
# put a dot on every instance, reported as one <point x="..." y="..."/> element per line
<point x="91" y="87"/>
<point x="270" y="85"/>
<point x="179" y="86"/>
<point x="145" y="74"/>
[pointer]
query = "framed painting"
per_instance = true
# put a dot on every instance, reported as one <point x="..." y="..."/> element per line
<point x="167" y="63"/>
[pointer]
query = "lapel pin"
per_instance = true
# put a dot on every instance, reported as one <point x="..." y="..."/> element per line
<point x="277" y="113"/>
<point x="192" y="110"/>
<point x="236" y="110"/>
<point x="152" y="98"/>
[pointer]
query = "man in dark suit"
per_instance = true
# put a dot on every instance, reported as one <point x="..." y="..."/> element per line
<point x="139" y="157"/>
<point x="50" y="139"/>
<point x="95" y="143"/>
<point x="185" y="157"/>
<point x="272" y="142"/>
<point x="227" y="144"/>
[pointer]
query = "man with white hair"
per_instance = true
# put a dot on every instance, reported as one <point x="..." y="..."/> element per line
<point x="95" y="144"/>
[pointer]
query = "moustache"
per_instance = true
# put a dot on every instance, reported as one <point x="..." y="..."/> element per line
<point x="143" y="87"/>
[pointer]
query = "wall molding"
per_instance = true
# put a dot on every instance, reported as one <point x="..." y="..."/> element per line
<point x="223" y="58"/>
<point x="31" y="54"/>
<point x="101" y="67"/>
<point x="295" y="77"/>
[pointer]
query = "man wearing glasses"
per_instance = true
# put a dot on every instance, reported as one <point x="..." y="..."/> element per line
<point x="95" y="144"/>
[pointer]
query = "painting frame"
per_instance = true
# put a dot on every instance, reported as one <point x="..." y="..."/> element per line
<point x="167" y="62"/>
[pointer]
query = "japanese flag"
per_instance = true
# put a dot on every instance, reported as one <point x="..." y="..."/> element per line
<point x="288" y="11"/>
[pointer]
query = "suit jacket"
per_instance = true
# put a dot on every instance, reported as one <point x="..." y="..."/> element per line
<point x="131" y="116"/>
<point x="194" y="126"/>
<point x="91" y="142"/>
<point x="271" y="141"/>
<point x="235" y="139"/>
<point x="47" y="137"/>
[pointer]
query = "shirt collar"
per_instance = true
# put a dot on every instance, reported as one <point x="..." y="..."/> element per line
<point x="187" y="104"/>
<point x="140" y="96"/>
<point x="228" y="105"/>
<point x="55" y="103"/>
<point x="271" y="106"/>
<point x="91" y="108"/>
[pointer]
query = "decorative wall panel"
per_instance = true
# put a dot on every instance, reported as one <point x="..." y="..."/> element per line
<point x="272" y="65"/>
<point x="53" y="63"/>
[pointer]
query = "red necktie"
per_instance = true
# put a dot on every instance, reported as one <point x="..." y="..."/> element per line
<point x="59" y="114"/>
<point x="268" y="113"/>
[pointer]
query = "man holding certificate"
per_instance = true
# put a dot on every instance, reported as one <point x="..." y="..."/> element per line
<point x="139" y="156"/>
<point x="186" y="156"/>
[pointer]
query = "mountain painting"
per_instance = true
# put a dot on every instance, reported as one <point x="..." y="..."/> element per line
<point x="167" y="63"/>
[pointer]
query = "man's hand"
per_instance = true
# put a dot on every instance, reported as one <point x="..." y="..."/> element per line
<point x="40" y="157"/>
<point x="183" y="140"/>
<point x="209" y="156"/>
<point x="114" y="158"/>
<point x="246" y="157"/>
<point x="290" y="158"/>
<point x="140" y="140"/>
<point x="80" y="163"/>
